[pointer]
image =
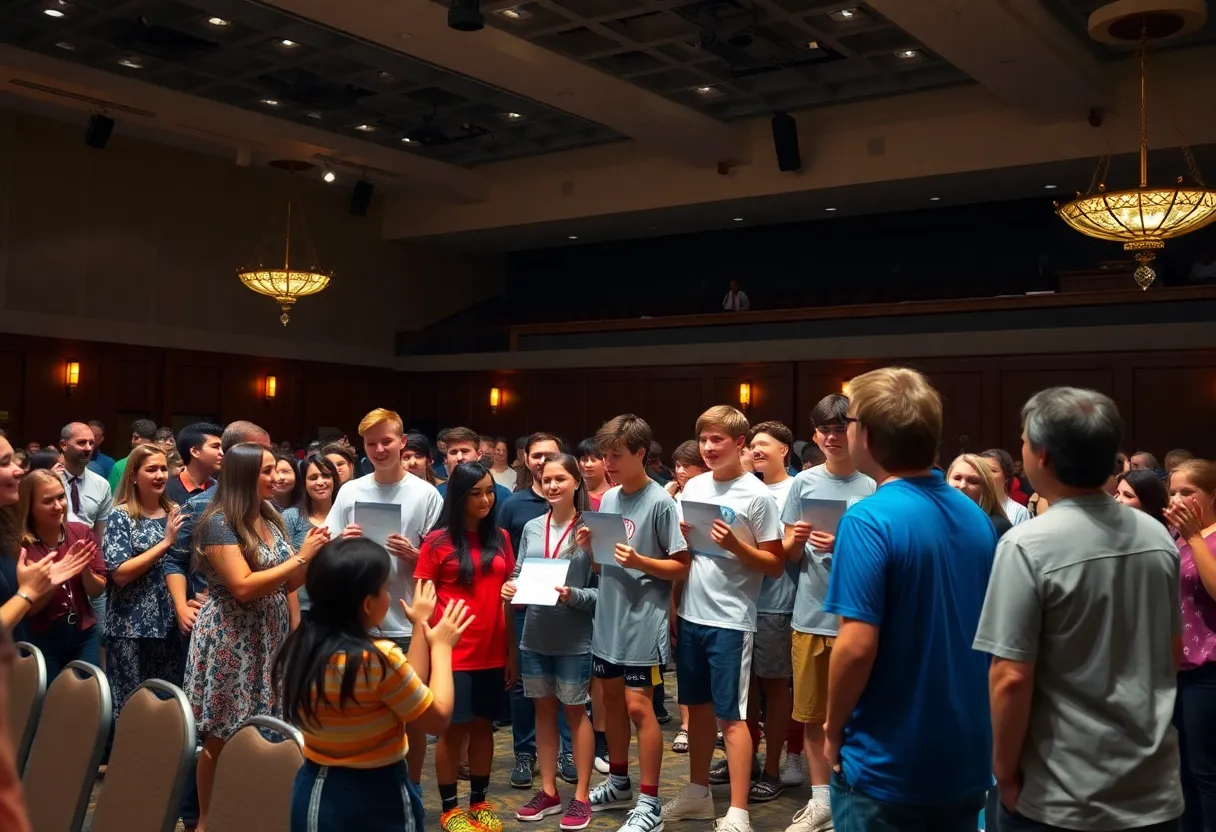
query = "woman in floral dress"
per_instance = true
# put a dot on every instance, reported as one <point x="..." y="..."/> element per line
<point x="243" y="549"/>
<point x="142" y="641"/>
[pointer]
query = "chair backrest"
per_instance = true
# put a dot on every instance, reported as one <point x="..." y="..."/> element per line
<point x="254" y="778"/>
<point x="72" y="731"/>
<point x="154" y="744"/>
<point x="26" y="690"/>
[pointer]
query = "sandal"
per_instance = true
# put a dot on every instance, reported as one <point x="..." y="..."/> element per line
<point x="680" y="744"/>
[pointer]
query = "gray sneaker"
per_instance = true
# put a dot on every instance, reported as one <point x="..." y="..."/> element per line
<point x="566" y="768"/>
<point x="607" y="796"/>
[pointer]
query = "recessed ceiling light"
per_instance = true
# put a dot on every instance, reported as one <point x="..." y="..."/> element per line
<point x="572" y="237"/>
<point x="737" y="219"/>
<point x="935" y="199"/>
<point x="703" y="90"/>
<point x="329" y="176"/>
<point x="829" y="209"/>
<point x="314" y="114"/>
<point x="384" y="76"/>
<point x="270" y="102"/>
<point x="907" y="54"/>
<point x="131" y="63"/>
<point x="845" y="15"/>
<point x="515" y="14"/>
<point x="288" y="44"/>
<point x="52" y="12"/>
<point x="365" y="128"/>
<point x="407" y="140"/>
<point x="218" y="21"/>
<point x="63" y="44"/>
<point x="1051" y="187"/>
<point x="812" y="44"/>
<point x="512" y="116"/>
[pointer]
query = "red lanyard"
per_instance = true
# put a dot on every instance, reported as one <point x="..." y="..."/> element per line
<point x="560" y="540"/>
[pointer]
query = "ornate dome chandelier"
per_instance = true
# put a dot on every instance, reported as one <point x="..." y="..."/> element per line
<point x="1142" y="218"/>
<point x="287" y="285"/>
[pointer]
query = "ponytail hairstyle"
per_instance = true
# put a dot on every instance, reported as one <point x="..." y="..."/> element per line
<point x="461" y="480"/>
<point x="340" y="578"/>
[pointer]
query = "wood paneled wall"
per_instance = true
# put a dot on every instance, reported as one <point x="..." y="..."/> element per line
<point x="1168" y="399"/>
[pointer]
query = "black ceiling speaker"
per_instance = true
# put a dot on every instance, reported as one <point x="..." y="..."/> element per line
<point x="785" y="142"/>
<point x="97" y="131"/>
<point x="361" y="198"/>
<point x="465" y="16"/>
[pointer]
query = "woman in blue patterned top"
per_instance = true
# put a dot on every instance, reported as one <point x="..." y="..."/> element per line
<point x="316" y="486"/>
<point x="242" y="548"/>
<point x="141" y="633"/>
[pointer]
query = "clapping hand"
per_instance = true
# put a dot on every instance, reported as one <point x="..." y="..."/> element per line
<point x="173" y="525"/>
<point x="79" y="555"/>
<point x="423" y="607"/>
<point x="317" y="537"/>
<point x="1184" y="514"/>
<point x="34" y="579"/>
<point x="447" y="631"/>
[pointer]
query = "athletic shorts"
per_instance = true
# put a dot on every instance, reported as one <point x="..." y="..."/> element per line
<point x="480" y="694"/>
<point x="810" y="655"/>
<point x="646" y="676"/>
<point x="714" y="666"/>
<point x="566" y="678"/>
<point x="771" y="656"/>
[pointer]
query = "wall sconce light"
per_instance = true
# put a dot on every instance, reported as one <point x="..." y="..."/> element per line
<point x="846" y="388"/>
<point x="495" y="399"/>
<point x="270" y="388"/>
<point x="71" y="375"/>
<point x="745" y="395"/>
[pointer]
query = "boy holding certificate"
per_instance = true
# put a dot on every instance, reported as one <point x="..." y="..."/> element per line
<point x="733" y="551"/>
<point x="814" y="493"/>
<point x="630" y="641"/>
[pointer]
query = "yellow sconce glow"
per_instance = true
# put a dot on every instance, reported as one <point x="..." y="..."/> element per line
<point x="71" y="375"/>
<point x="846" y="388"/>
<point x="745" y="395"/>
<point x="271" y="388"/>
<point x="495" y="399"/>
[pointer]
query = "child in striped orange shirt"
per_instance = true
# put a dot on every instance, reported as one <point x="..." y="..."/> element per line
<point x="353" y="713"/>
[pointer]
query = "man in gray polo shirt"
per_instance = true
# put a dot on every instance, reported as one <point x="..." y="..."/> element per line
<point x="1083" y="619"/>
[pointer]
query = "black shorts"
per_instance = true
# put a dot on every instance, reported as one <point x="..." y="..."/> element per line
<point x="480" y="694"/>
<point x="647" y="676"/>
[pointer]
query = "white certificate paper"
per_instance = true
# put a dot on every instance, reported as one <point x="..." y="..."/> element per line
<point x="701" y="517"/>
<point x="823" y="515"/>
<point x="607" y="530"/>
<point x="378" y="520"/>
<point x="538" y="581"/>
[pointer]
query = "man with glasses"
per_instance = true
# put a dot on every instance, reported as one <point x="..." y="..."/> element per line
<point x="815" y="630"/>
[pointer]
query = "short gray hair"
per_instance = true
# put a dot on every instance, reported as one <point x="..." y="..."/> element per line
<point x="1080" y="430"/>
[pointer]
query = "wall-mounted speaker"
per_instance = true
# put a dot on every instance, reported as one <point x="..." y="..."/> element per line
<point x="785" y="142"/>
<point x="361" y="198"/>
<point x="97" y="131"/>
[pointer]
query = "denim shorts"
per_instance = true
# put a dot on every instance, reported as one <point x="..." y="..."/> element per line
<point x="568" y="678"/>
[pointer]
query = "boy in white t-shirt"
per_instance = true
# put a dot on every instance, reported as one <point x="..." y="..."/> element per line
<point x="717" y="615"/>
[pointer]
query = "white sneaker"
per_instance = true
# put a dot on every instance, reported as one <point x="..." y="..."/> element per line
<point x="641" y="819"/>
<point x="793" y="770"/>
<point x="601" y="765"/>
<point x="729" y="825"/>
<point x="685" y="807"/>
<point x="606" y="796"/>
<point x="813" y="817"/>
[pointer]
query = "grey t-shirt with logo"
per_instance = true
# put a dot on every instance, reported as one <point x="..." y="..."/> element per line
<point x="816" y="567"/>
<point x="1088" y="593"/>
<point x="631" y="623"/>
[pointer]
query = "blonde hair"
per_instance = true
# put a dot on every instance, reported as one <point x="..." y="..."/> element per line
<point x="1201" y="472"/>
<point x="127" y="493"/>
<point x="989" y="501"/>
<point x="902" y="416"/>
<point x="378" y="417"/>
<point x="25" y="503"/>
<point x="724" y="416"/>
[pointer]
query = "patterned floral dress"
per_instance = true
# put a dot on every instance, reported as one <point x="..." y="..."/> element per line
<point x="143" y="641"/>
<point x="233" y="644"/>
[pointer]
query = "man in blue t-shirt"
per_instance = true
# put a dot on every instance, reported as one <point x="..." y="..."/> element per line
<point x="908" y="731"/>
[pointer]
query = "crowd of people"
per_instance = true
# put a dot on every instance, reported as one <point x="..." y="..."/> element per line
<point x="1033" y="638"/>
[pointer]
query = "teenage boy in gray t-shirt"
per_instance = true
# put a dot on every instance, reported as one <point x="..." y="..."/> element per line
<point x="629" y="641"/>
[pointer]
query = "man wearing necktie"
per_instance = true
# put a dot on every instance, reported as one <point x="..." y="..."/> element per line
<point x="89" y="499"/>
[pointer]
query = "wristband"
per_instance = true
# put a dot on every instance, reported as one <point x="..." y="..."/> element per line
<point x="25" y="597"/>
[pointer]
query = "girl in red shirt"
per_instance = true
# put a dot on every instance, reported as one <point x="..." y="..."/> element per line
<point x="469" y="559"/>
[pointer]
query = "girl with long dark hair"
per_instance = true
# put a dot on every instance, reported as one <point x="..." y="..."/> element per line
<point x="241" y="546"/>
<point x="317" y="484"/>
<point x="352" y="696"/>
<point x="284" y="480"/>
<point x="469" y="559"/>
<point x="555" y="649"/>
<point x="1143" y="489"/>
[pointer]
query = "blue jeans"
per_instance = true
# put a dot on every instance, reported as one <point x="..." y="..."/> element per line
<point x="855" y="811"/>
<point x="63" y="643"/>
<point x="523" y="711"/>
<point x="1195" y="719"/>
<point x="1011" y="822"/>
<point x="329" y="798"/>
